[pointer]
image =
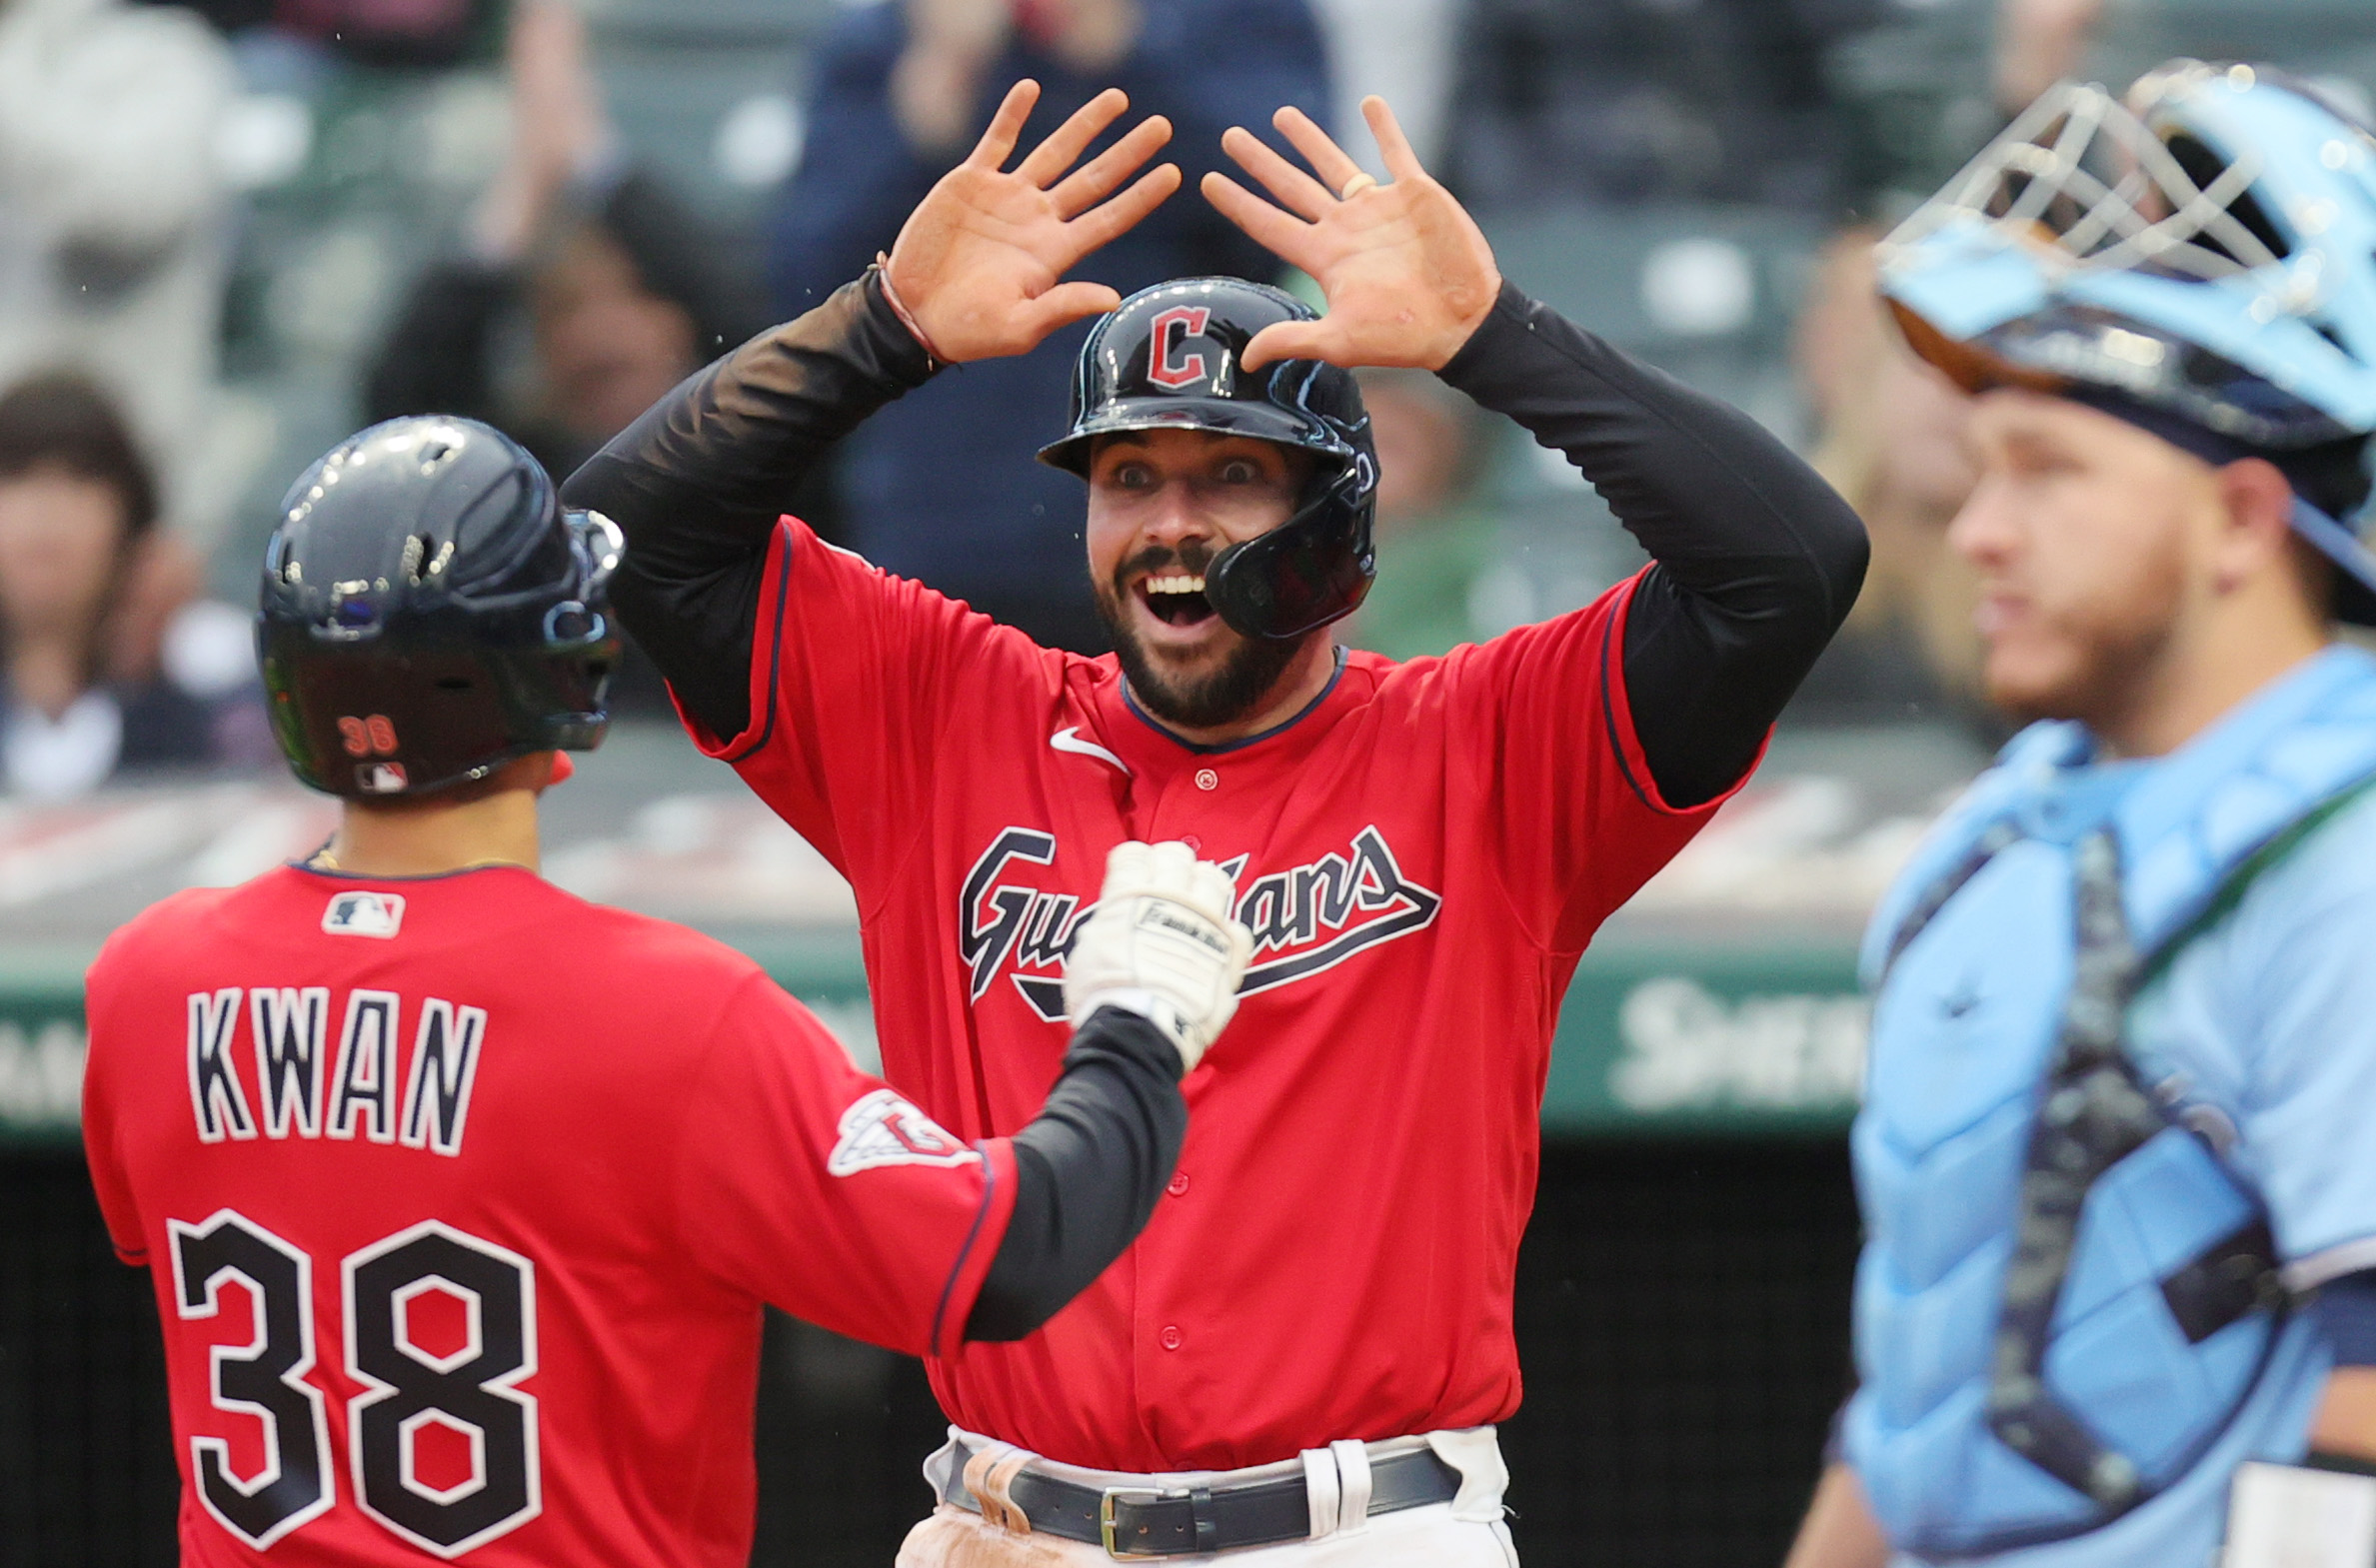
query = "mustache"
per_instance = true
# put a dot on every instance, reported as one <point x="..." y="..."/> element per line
<point x="1193" y="558"/>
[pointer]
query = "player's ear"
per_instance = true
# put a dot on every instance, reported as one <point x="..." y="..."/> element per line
<point x="2257" y="532"/>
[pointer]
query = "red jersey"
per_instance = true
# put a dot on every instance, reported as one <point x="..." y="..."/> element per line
<point x="461" y="1196"/>
<point x="1422" y="856"/>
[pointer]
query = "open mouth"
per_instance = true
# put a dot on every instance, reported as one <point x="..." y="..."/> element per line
<point x="1177" y="599"/>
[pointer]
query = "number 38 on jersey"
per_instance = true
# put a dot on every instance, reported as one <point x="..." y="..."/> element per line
<point x="434" y="1326"/>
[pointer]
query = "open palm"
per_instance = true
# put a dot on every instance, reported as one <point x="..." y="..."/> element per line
<point x="976" y="264"/>
<point x="1408" y="273"/>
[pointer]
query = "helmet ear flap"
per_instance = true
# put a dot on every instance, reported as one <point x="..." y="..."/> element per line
<point x="1312" y="568"/>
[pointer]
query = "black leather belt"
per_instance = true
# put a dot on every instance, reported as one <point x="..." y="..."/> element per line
<point x="1175" y="1522"/>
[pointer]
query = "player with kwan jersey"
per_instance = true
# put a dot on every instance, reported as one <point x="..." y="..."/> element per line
<point x="462" y="1195"/>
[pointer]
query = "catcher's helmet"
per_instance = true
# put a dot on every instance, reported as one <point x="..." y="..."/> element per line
<point x="1168" y="358"/>
<point x="2204" y="249"/>
<point x="429" y="613"/>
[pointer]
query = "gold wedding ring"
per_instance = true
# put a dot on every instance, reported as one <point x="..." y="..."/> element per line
<point x="1357" y="185"/>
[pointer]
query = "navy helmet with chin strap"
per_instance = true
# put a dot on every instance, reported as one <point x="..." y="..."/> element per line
<point x="2200" y="257"/>
<point x="1167" y="359"/>
<point x="429" y="613"/>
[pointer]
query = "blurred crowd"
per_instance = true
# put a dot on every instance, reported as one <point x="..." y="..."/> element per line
<point x="230" y="232"/>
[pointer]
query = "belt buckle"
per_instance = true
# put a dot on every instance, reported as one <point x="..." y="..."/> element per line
<point x="1105" y="1501"/>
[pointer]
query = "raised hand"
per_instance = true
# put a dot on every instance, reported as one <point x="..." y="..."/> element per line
<point x="559" y="127"/>
<point x="1407" y="272"/>
<point x="976" y="265"/>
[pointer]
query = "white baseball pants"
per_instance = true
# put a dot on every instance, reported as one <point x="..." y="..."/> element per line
<point x="1467" y="1532"/>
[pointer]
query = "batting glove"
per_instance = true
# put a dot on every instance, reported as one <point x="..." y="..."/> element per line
<point x="1161" y="945"/>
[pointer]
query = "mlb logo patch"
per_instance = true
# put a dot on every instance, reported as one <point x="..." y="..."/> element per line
<point x="364" y="915"/>
<point x="882" y="1129"/>
<point x="380" y="777"/>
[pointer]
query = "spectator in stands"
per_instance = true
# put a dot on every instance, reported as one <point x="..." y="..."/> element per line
<point x="1890" y="440"/>
<point x="371" y="32"/>
<point x="114" y="251"/>
<point x="1405" y="51"/>
<point x="1437" y="543"/>
<point x="1890" y="429"/>
<point x="622" y="291"/>
<point x="2331" y="42"/>
<point x="901" y="90"/>
<point x="1626" y="102"/>
<point x="78" y="504"/>
<point x="2038" y="43"/>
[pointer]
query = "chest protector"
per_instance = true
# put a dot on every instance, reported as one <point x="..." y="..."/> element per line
<point x="2066" y="1295"/>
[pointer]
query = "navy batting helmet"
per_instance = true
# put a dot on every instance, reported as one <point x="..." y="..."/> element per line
<point x="430" y="613"/>
<point x="1167" y="357"/>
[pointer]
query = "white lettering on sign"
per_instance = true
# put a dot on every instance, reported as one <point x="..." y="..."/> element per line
<point x="1688" y="1049"/>
<point x="41" y="1075"/>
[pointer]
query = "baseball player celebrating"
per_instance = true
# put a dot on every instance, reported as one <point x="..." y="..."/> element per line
<point x="2118" y="1296"/>
<point x="1312" y="1340"/>
<point x="461" y="1195"/>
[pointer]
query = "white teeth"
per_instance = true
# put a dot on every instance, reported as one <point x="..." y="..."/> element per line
<point x="1177" y="583"/>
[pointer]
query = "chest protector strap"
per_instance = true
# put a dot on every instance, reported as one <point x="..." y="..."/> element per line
<point x="2094" y="1112"/>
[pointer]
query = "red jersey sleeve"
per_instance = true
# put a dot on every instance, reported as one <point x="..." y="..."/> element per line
<point x="1565" y="801"/>
<point x="811" y="1185"/>
<point x="855" y="677"/>
<point x="99" y="1125"/>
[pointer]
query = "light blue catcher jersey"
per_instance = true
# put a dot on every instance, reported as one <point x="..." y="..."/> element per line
<point x="2259" y="1037"/>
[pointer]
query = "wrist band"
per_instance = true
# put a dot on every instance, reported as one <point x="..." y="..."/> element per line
<point x="898" y="308"/>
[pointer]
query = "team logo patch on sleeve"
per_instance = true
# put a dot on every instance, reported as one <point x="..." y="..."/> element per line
<point x="882" y="1129"/>
<point x="364" y="915"/>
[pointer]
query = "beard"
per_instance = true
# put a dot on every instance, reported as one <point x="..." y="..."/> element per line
<point x="2104" y="680"/>
<point x="2101" y="658"/>
<point x="1223" y="692"/>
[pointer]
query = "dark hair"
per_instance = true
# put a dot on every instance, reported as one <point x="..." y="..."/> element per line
<point x="60" y="419"/>
<point x="2333" y="478"/>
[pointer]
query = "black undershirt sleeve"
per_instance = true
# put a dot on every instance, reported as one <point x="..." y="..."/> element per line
<point x="1758" y="559"/>
<point x="697" y="484"/>
<point x="1089" y="1171"/>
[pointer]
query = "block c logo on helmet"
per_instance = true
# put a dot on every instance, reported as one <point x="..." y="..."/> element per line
<point x="1167" y="366"/>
